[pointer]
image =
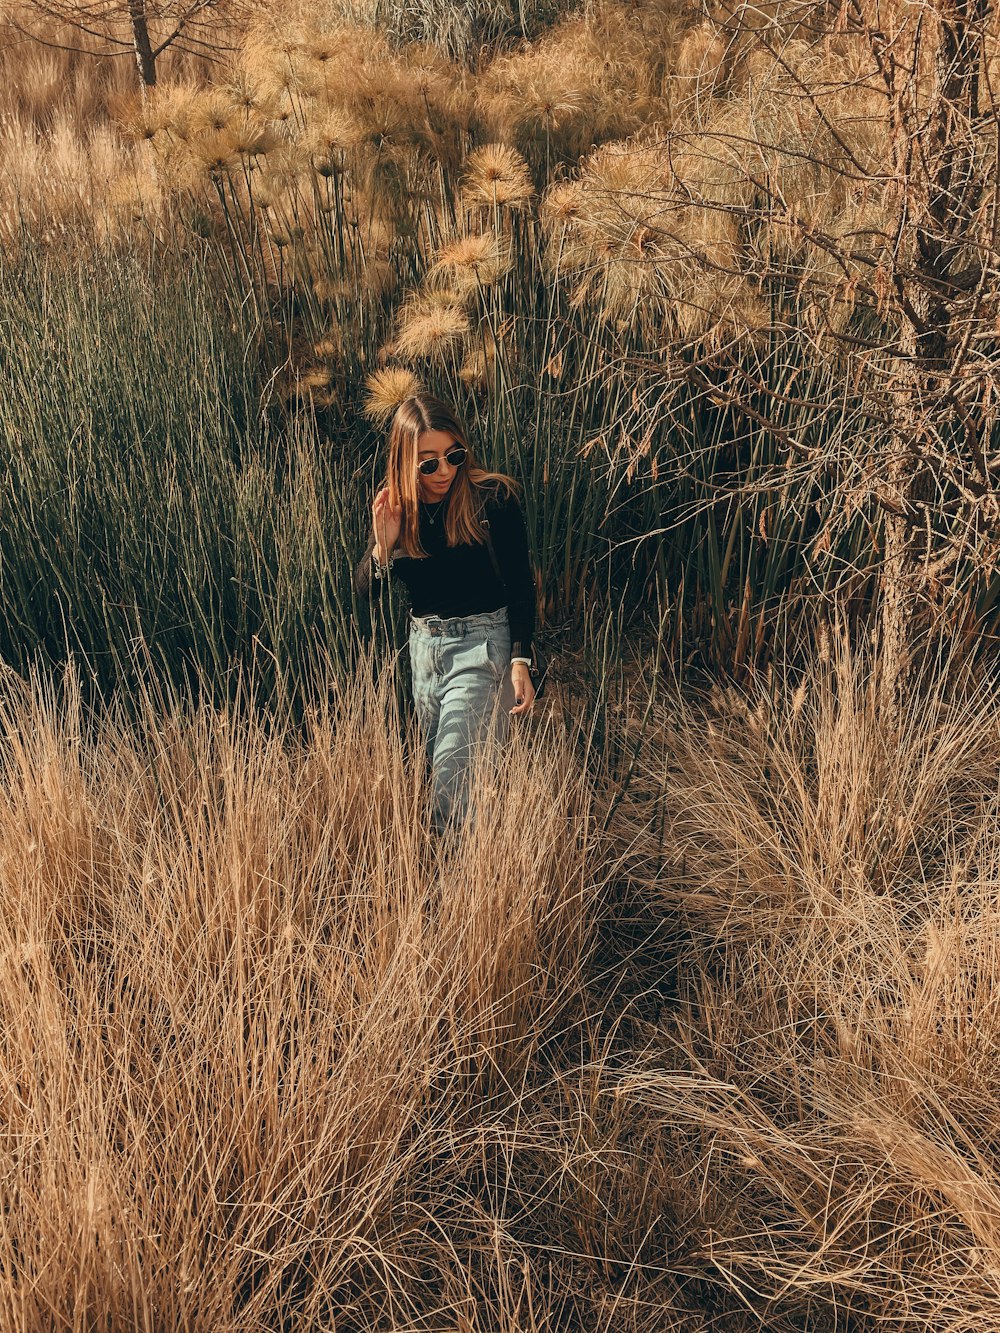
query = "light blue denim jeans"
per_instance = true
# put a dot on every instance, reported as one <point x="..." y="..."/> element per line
<point x="459" y="667"/>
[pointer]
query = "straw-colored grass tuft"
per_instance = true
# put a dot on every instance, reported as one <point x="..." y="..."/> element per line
<point x="265" y="1047"/>
<point x="386" y="389"/>
<point x="829" y="1077"/>
<point x="475" y="260"/>
<point x="430" y="329"/>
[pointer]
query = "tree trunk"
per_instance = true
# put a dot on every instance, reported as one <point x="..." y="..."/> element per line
<point x="145" y="58"/>
<point x="897" y="599"/>
<point x="948" y="196"/>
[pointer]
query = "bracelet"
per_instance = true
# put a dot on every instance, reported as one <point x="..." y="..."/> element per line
<point x="380" y="571"/>
<point x="525" y="660"/>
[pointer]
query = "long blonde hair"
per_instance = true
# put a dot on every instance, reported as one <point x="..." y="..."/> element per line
<point x="464" y="511"/>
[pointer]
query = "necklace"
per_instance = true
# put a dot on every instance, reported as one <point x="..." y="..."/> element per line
<point x="433" y="512"/>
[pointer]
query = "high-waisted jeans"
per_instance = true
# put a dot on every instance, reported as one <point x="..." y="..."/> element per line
<point x="459" y="667"/>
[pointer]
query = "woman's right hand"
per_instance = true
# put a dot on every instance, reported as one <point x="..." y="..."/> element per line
<point x="386" y="523"/>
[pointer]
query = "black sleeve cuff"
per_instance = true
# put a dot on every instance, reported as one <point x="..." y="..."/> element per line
<point x="363" y="573"/>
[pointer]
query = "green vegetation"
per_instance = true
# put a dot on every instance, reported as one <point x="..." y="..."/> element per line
<point x="163" y="508"/>
<point x="157" y="523"/>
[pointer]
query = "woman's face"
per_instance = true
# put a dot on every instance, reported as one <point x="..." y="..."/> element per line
<point x="435" y="444"/>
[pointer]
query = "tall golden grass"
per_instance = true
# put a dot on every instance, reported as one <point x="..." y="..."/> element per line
<point x="829" y="1076"/>
<point x="71" y="162"/>
<point x="709" y="160"/>
<point x="705" y="168"/>
<point x="272" y="1059"/>
<point x="264" y="1046"/>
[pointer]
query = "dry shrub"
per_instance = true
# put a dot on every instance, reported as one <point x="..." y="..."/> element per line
<point x="265" y="1050"/>
<point x="831" y="1080"/>
<point x="757" y="179"/>
<point x="68" y="118"/>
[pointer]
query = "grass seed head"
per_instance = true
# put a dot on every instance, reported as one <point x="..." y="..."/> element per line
<point x="387" y="388"/>
<point x="475" y="369"/>
<point x="214" y="110"/>
<point x="330" y="347"/>
<point x="562" y="203"/>
<point x="245" y="95"/>
<point x="497" y="176"/>
<point x="565" y="91"/>
<point x="174" y="109"/>
<point x="138" y="118"/>
<point x="217" y="151"/>
<point x="266" y="71"/>
<point x="474" y="260"/>
<point x="334" y="133"/>
<point x="430" y="330"/>
<point x="253" y="137"/>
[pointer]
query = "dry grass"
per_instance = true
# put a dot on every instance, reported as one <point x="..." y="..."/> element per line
<point x="271" y="1060"/>
<point x="673" y="129"/>
<point x="72" y="161"/>
<point x="829" y="1080"/>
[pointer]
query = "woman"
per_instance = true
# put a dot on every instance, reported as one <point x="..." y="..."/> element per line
<point x="454" y="536"/>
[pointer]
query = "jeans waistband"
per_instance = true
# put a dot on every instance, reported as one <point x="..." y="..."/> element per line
<point x="459" y="626"/>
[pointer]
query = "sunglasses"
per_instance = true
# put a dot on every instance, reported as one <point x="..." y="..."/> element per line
<point x="428" y="466"/>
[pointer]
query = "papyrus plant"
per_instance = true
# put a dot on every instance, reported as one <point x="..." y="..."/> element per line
<point x="830" y="206"/>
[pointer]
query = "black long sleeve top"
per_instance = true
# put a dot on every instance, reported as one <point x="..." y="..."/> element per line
<point x="460" y="580"/>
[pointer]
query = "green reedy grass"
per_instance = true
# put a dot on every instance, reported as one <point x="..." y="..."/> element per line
<point x="164" y="510"/>
<point x="646" y="485"/>
<point x="150" y="507"/>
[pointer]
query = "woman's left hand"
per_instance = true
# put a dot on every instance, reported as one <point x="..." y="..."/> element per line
<point x="524" y="691"/>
